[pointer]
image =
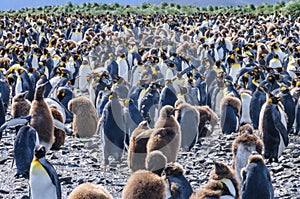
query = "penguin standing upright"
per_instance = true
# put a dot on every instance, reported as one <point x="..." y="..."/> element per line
<point x="20" y="105"/>
<point x="243" y="146"/>
<point x="167" y="134"/>
<point x="112" y="129"/>
<point x="26" y="141"/>
<point x="43" y="180"/>
<point x="273" y="127"/>
<point x="123" y="67"/>
<point x="41" y="118"/>
<point x="257" y="101"/>
<point x="289" y="107"/>
<point x="84" y="71"/>
<point x="230" y="114"/>
<point x="256" y="171"/>
<point x="188" y="117"/>
<point x="246" y="97"/>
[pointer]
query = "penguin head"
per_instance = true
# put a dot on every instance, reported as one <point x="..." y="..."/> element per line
<point x="39" y="91"/>
<point x="167" y="111"/>
<point x="274" y="99"/>
<point x="221" y="169"/>
<point x="20" y="96"/>
<point x="39" y="151"/>
<point x="255" y="157"/>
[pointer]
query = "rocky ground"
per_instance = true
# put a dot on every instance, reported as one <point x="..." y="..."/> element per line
<point x="80" y="160"/>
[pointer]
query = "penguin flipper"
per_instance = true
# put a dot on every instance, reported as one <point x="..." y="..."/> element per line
<point x="52" y="174"/>
<point x="58" y="124"/>
<point x="280" y="127"/>
<point x="15" y="122"/>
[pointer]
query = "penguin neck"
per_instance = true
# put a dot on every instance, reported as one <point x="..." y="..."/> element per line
<point x="39" y="96"/>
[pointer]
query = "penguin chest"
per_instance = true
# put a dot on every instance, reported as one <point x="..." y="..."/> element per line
<point x="123" y="70"/>
<point x="40" y="182"/>
<point x="245" y="118"/>
<point x="241" y="157"/>
<point x="83" y="73"/>
<point x="35" y="62"/>
<point x="19" y="86"/>
<point x="234" y="71"/>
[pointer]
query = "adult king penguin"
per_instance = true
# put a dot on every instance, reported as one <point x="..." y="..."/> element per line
<point x="44" y="182"/>
<point x="273" y="127"/>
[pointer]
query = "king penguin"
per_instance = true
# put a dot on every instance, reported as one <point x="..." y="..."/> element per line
<point x="273" y="127"/>
<point x="26" y="141"/>
<point x="256" y="171"/>
<point x="230" y="114"/>
<point x="246" y="97"/>
<point x="257" y="101"/>
<point x="43" y="181"/>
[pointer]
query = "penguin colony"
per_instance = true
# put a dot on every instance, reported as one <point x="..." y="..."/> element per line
<point x="154" y="84"/>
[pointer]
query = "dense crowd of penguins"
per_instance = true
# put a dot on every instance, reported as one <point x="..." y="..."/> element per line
<point x="155" y="84"/>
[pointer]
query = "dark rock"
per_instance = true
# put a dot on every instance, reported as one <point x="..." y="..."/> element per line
<point x="4" y="191"/>
<point x="277" y="169"/>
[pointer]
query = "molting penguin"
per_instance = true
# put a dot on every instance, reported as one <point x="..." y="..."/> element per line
<point x="243" y="146"/>
<point x="138" y="146"/>
<point x="85" y="116"/>
<point x="90" y="191"/>
<point x="26" y="141"/>
<point x="224" y="174"/>
<point x="167" y="134"/>
<point x="273" y="127"/>
<point x="112" y="129"/>
<point x="230" y="114"/>
<point x="144" y="184"/>
<point x="44" y="182"/>
<point x="256" y="171"/>
<point x="188" y="117"/>
<point x="180" y="188"/>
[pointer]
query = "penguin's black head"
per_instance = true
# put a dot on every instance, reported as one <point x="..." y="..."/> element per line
<point x="39" y="91"/>
<point x="40" y="151"/>
<point x="221" y="169"/>
<point x="274" y="99"/>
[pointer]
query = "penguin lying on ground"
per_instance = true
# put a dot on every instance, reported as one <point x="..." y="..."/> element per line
<point x="273" y="127"/>
<point x="243" y="146"/>
<point x="43" y="180"/>
<point x="188" y="118"/>
<point x="230" y="114"/>
<point x="144" y="184"/>
<point x="90" y="191"/>
<point x="26" y="141"/>
<point x="256" y="171"/>
<point x="167" y="135"/>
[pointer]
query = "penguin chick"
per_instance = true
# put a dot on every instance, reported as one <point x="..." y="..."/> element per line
<point x="90" y="191"/>
<point x="156" y="162"/>
<point x="144" y="184"/>
<point x="138" y="146"/>
<point x="224" y="174"/>
<point x="180" y="188"/>
<point x="43" y="181"/>
<point x="188" y="117"/>
<point x="167" y="135"/>
<point x="256" y="171"/>
<point x="85" y="117"/>
<point x="27" y="139"/>
<point x="41" y="118"/>
<point x="230" y="114"/>
<point x="59" y="134"/>
<point x="20" y="105"/>
<point x="208" y="120"/>
<point x="243" y="146"/>
<point x="212" y="190"/>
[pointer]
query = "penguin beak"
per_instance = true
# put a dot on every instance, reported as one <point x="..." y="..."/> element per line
<point x="25" y="93"/>
<point x="174" y="110"/>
